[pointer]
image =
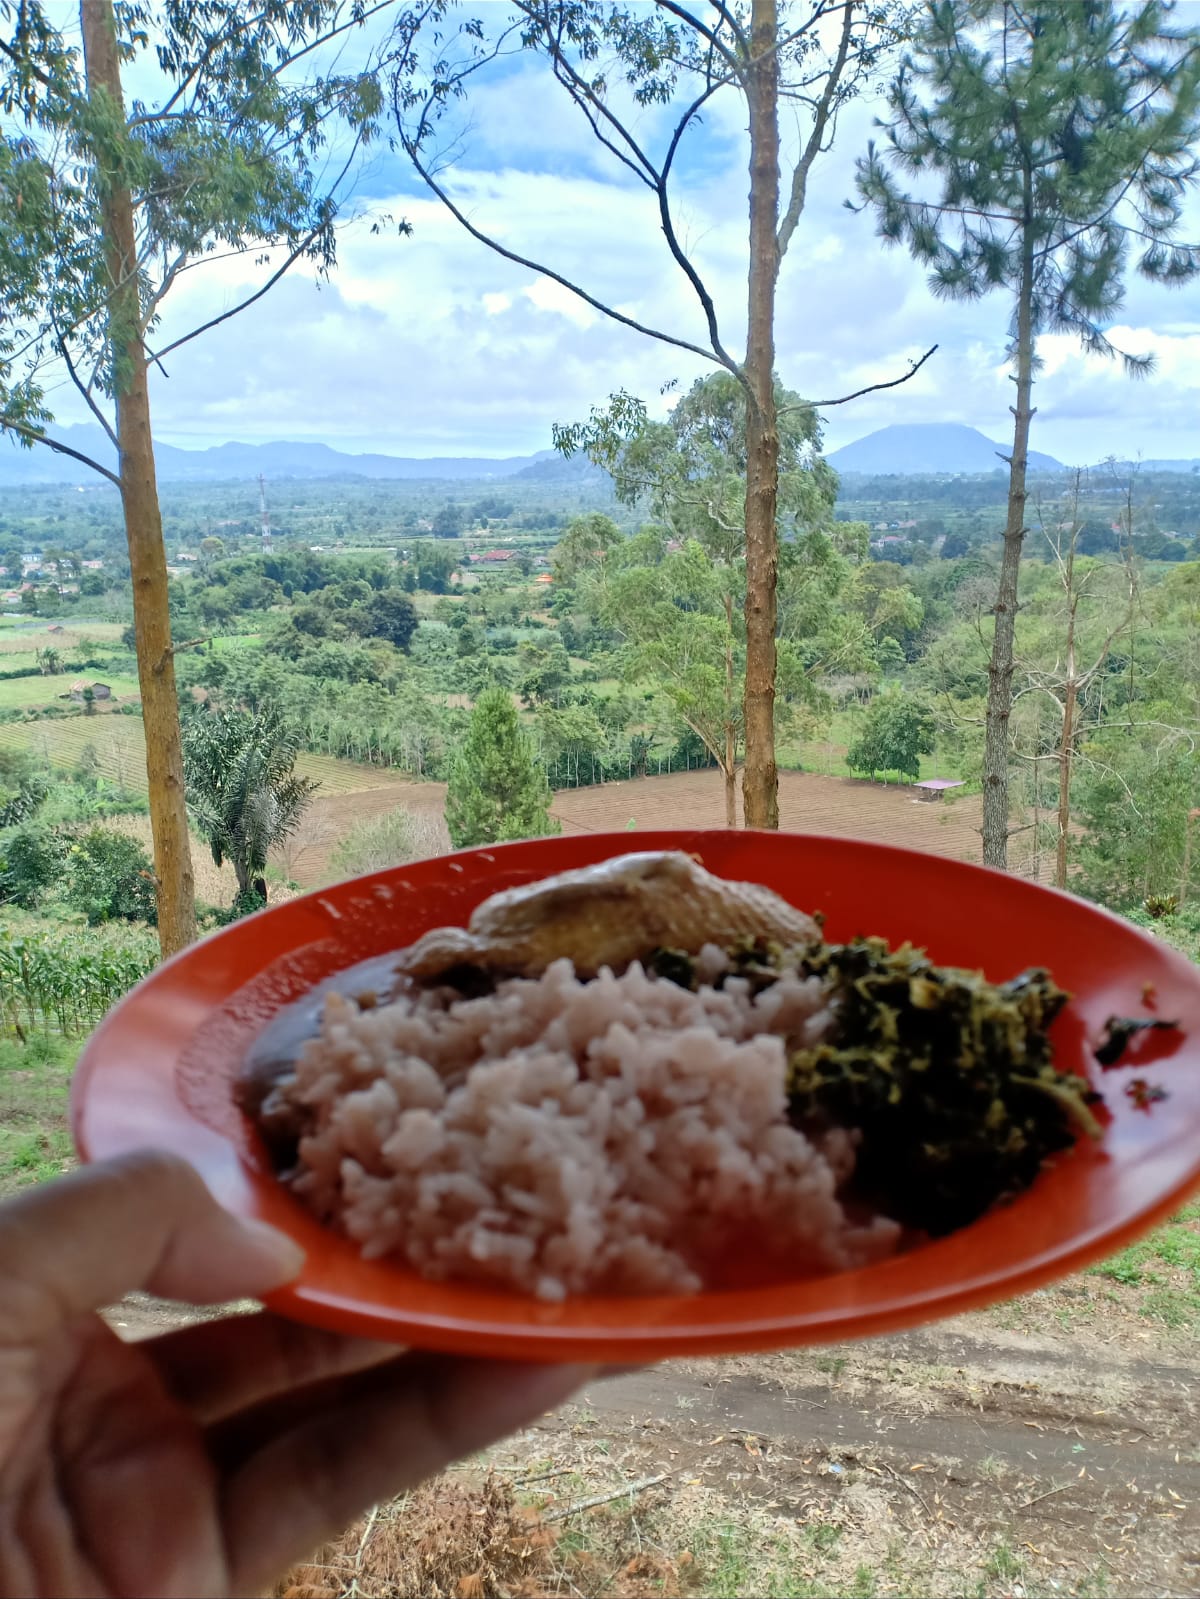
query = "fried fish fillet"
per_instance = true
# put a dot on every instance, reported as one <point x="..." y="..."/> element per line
<point x="609" y="914"/>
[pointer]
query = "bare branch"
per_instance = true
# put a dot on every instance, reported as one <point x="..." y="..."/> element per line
<point x="822" y="405"/>
<point x="85" y="389"/>
<point x="548" y="272"/>
<point x="290" y="260"/>
<point x="668" y="227"/>
<point x="814" y="144"/>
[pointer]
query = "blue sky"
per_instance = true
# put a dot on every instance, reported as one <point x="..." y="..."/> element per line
<point x="433" y="345"/>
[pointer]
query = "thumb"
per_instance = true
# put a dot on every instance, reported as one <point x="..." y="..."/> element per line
<point x="146" y="1221"/>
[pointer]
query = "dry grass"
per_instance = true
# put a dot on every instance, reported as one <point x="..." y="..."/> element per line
<point x="215" y="885"/>
<point x="18" y="640"/>
<point x="447" y="1540"/>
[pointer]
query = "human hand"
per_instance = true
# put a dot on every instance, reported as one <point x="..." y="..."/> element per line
<point x="206" y="1461"/>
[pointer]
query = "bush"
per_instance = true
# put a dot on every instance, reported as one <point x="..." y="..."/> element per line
<point x="393" y="839"/>
<point x="30" y="863"/>
<point x="110" y="878"/>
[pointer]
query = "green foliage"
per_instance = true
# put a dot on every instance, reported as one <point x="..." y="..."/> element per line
<point x="1061" y="136"/>
<point x="110" y="878"/>
<point x="389" y="615"/>
<point x="497" y="791"/>
<point x="1133" y="803"/>
<point x="897" y="730"/>
<point x="432" y="567"/>
<point x="30" y="863"/>
<point x="544" y="672"/>
<point x="449" y="521"/>
<point x="243" y="793"/>
<point x="22" y="788"/>
<point x="231" y="157"/>
<point x="60" y="980"/>
<point x="692" y="468"/>
<point x="585" y="545"/>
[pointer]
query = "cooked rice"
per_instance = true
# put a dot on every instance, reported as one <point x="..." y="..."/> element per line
<point x="621" y="1134"/>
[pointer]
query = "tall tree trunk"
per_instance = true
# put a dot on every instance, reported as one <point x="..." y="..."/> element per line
<point x="1000" y="667"/>
<point x="1066" y="755"/>
<point x="1066" y="742"/>
<point x="143" y="519"/>
<point x="729" y="765"/>
<point x="760" y="779"/>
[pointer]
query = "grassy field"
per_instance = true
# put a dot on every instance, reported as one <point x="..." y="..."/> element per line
<point x="119" y="747"/>
<point x="34" y="1080"/>
<point x="118" y="743"/>
<point x="26" y="693"/>
<point x="19" y="638"/>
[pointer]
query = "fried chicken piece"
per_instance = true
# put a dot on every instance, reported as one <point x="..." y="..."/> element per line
<point x="609" y="914"/>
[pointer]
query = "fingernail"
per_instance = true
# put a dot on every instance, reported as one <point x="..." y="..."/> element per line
<point x="278" y="1257"/>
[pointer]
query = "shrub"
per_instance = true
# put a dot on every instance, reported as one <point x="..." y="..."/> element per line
<point x="110" y="878"/>
<point x="392" y="839"/>
<point x="30" y="863"/>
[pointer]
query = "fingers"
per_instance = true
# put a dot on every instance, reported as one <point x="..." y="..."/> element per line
<point x="143" y="1221"/>
<point x="374" y="1436"/>
<point x="222" y="1367"/>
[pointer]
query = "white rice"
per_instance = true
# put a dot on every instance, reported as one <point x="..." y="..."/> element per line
<point x="561" y="1137"/>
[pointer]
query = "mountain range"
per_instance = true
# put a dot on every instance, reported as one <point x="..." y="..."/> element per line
<point x="905" y="449"/>
<point x="223" y="463"/>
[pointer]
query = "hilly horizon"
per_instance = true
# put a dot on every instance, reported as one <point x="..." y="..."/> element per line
<point x="902" y="449"/>
<point x="282" y="459"/>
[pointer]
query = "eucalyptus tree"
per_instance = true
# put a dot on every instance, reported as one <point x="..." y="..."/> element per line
<point x="1053" y="146"/>
<point x="239" y="146"/>
<point x="643" y="77"/>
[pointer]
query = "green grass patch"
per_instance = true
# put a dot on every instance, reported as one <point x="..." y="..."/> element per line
<point x="24" y="693"/>
<point x="1160" y="1275"/>
<point x="34" y="1082"/>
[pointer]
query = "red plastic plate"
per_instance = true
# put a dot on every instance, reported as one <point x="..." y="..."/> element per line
<point x="159" y="1071"/>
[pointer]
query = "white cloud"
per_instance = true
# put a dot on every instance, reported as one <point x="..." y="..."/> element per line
<point x="549" y="295"/>
<point x="433" y="344"/>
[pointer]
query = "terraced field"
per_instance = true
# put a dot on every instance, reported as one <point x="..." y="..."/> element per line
<point x="118" y="742"/>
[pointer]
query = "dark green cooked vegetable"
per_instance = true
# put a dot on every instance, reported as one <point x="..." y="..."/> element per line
<point x="949" y="1079"/>
<point x="1119" y="1031"/>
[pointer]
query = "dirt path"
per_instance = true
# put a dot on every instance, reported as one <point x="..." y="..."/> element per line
<point x="941" y="1462"/>
<point x="964" y="1458"/>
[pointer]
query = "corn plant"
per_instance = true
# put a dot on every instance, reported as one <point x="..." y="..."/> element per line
<point x="59" y="982"/>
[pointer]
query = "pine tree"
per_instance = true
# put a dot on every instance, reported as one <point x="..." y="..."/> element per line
<point x="1060" y="137"/>
<point x="497" y="791"/>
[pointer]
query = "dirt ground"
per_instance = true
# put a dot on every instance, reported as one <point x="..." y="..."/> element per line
<point x="333" y="813"/>
<point x="808" y="802"/>
<point x="1049" y="1446"/>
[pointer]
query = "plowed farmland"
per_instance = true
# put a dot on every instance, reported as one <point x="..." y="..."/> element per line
<point x="846" y="807"/>
<point x="349" y="793"/>
<point x="807" y="803"/>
